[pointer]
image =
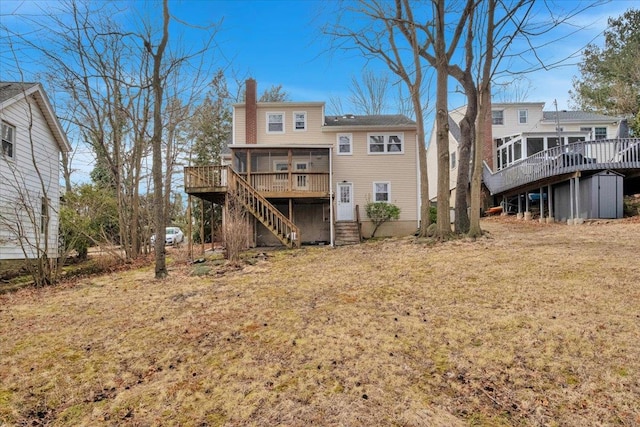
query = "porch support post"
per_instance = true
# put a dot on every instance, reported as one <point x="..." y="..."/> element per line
<point x="550" y="203"/>
<point x="571" y="200"/>
<point x="249" y="167"/>
<point x="202" y="226"/>
<point x="505" y="206"/>
<point x="519" y="215"/>
<point x="290" y="209"/>
<point x="578" y="220"/>
<point x="527" y="212"/>
<point x="290" y="168"/>
<point x="189" y="228"/>
<point x="213" y="211"/>
<point x="332" y="239"/>
<point x="541" y="204"/>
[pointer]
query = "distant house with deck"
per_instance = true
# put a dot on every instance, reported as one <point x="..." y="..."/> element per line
<point x="559" y="165"/>
<point x="306" y="177"/>
<point x="32" y="140"/>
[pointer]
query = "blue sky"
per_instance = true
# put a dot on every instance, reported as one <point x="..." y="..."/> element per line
<point x="280" y="42"/>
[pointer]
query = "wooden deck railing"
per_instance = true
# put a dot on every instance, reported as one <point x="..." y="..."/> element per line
<point x="312" y="182"/>
<point x="214" y="178"/>
<point x="211" y="176"/>
<point x="622" y="153"/>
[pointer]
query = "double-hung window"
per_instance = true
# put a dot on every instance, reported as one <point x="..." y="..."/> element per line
<point x="600" y="133"/>
<point x="275" y="122"/>
<point x="382" y="192"/>
<point x="345" y="144"/>
<point x="389" y="143"/>
<point x="8" y="140"/>
<point x="497" y="117"/>
<point x="300" y="120"/>
<point x="523" y="117"/>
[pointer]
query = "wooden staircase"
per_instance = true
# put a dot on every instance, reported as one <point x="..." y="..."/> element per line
<point x="281" y="227"/>
<point x="347" y="233"/>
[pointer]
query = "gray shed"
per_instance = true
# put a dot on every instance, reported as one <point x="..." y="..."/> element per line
<point x="601" y="196"/>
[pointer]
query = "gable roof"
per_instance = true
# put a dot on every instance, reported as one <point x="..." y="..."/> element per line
<point x="370" y="120"/>
<point x="11" y="92"/>
<point x="577" y="116"/>
<point x="454" y="129"/>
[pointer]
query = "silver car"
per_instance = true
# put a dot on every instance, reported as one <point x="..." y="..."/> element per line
<point x="173" y="236"/>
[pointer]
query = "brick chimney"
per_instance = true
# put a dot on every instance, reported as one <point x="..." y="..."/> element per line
<point x="487" y="144"/>
<point x="251" y="111"/>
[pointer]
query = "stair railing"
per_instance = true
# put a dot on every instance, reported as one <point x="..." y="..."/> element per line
<point x="281" y="226"/>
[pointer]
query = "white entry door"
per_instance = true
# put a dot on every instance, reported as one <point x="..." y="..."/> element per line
<point x="345" y="202"/>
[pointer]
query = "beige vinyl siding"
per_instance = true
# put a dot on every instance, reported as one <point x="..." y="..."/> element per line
<point x="313" y="134"/>
<point x="510" y="115"/>
<point x="19" y="177"/>
<point x="400" y="170"/>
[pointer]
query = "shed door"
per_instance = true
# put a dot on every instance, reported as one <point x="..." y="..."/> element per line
<point x="345" y="202"/>
<point x="607" y="196"/>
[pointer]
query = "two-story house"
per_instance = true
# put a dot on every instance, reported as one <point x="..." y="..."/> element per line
<point x="306" y="177"/>
<point x="532" y="155"/>
<point x="32" y="140"/>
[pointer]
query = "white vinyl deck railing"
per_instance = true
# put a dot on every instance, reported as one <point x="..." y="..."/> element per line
<point x="622" y="153"/>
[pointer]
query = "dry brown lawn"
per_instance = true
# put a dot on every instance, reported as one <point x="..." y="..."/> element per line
<point x="532" y="325"/>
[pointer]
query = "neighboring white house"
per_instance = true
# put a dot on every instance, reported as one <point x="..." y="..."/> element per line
<point x="32" y="140"/>
<point x="520" y="130"/>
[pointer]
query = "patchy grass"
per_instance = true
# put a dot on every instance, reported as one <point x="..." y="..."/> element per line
<point x="532" y="325"/>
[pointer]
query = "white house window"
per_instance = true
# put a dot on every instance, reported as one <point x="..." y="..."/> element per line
<point x="8" y="140"/>
<point x="381" y="191"/>
<point x="300" y="120"/>
<point x="523" y="116"/>
<point x="275" y="122"/>
<point x="344" y="143"/>
<point x="497" y="117"/>
<point x="587" y="129"/>
<point x="391" y="143"/>
<point x="600" y="133"/>
<point x="452" y="157"/>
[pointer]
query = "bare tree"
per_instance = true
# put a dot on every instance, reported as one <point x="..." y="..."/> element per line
<point x="157" y="85"/>
<point x="371" y="95"/>
<point x="274" y="94"/>
<point x="108" y="74"/>
<point x="381" y="40"/>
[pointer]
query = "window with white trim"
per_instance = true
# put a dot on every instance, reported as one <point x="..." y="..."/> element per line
<point x="275" y="122"/>
<point x="386" y="143"/>
<point x="523" y="117"/>
<point x="382" y="192"/>
<point x="600" y="133"/>
<point x="497" y="117"/>
<point x="299" y="120"/>
<point x="344" y="143"/>
<point x="452" y="158"/>
<point x="8" y="140"/>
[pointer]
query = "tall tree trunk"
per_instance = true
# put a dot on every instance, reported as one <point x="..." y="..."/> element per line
<point x="425" y="219"/>
<point x="484" y="99"/>
<point x="443" y="225"/>
<point x="156" y="143"/>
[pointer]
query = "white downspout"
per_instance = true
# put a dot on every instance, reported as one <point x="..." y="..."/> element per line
<point x="332" y="236"/>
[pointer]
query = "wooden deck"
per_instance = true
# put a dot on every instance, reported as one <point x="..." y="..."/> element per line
<point x="199" y="180"/>
<point x="557" y="163"/>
